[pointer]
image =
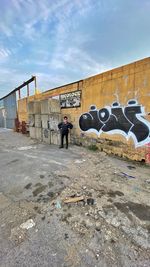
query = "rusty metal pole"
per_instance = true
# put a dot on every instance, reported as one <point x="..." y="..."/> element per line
<point x="35" y="83"/>
<point x="27" y="90"/>
<point x="19" y="93"/>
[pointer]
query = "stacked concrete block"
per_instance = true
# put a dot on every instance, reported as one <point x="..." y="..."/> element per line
<point x="34" y="118"/>
<point x="55" y="137"/>
<point x="49" y="106"/>
<point x="38" y="120"/>
<point x="32" y="132"/>
<point x="44" y="117"/>
<point x="50" y="117"/>
<point x="38" y="133"/>
<point x="44" y="120"/>
<point x="46" y="136"/>
<point x="31" y="120"/>
<point x="53" y="120"/>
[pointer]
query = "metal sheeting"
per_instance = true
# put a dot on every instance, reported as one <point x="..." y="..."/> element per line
<point x="2" y="121"/>
<point x="9" y="112"/>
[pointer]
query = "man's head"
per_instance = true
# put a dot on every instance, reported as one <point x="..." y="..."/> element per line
<point x="65" y="119"/>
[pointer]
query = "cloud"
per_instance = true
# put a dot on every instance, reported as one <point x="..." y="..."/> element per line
<point x="62" y="41"/>
<point x="4" y="52"/>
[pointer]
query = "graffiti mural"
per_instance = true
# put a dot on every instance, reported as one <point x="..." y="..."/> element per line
<point x="126" y="120"/>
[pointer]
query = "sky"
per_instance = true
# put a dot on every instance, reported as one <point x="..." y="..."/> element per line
<point x="61" y="41"/>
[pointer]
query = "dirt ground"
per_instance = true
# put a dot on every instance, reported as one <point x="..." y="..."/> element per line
<point x="108" y="227"/>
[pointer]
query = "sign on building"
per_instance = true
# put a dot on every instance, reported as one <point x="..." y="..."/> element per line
<point x="70" y="100"/>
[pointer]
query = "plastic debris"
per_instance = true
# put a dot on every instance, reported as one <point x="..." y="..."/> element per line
<point x="127" y="175"/>
<point x="79" y="161"/>
<point x="73" y="199"/>
<point x="28" y="224"/>
<point x="90" y="201"/>
<point x="58" y="205"/>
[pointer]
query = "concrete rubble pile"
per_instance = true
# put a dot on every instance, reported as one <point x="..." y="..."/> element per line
<point x="44" y="117"/>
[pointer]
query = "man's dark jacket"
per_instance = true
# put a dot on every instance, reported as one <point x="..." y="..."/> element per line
<point x="64" y="127"/>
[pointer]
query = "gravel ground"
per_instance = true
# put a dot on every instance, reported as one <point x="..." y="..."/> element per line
<point x="109" y="227"/>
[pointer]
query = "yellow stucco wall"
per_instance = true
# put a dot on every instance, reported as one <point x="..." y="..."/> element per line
<point x="131" y="81"/>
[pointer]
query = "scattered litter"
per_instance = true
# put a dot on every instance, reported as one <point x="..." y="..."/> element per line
<point x="127" y="175"/>
<point x="84" y="187"/>
<point x="66" y="236"/>
<point x="42" y="176"/>
<point x="28" y="224"/>
<point x="58" y="205"/>
<point x="147" y="181"/>
<point x="73" y="199"/>
<point x="79" y="161"/>
<point x="43" y="218"/>
<point x="90" y="201"/>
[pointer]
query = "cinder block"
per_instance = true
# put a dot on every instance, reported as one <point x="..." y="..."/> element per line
<point x="38" y="133"/>
<point x="46" y="134"/>
<point x="37" y="120"/>
<point x="44" y="120"/>
<point x="32" y="132"/>
<point x="53" y="120"/>
<point x="31" y="120"/>
<point x="55" y="137"/>
<point x="49" y="106"/>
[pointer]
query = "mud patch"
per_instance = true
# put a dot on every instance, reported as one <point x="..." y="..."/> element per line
<point x="139" y="210"/>
<point x="39" y="190"/>
<point x="28" y="186"/>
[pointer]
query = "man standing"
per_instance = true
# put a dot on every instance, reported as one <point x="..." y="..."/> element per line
<point x="64" y="130"/>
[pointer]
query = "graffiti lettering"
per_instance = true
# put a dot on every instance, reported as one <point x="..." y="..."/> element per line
<point x="128" y="121"/>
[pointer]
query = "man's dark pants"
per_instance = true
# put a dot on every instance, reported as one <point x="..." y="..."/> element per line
<point x="62" y="139"/>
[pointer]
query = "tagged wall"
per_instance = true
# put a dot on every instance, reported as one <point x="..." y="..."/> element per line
<point x="114" y="111"/>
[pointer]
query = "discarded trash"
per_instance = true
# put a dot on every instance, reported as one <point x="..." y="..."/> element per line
<point x="73" y="199"/>
<point x="28" y="224"/>
<point x="131" y="167"/>
<point x="58" y="205"/>
<point x="25" y="148"/>
<point x="90" y="201"/>
<point x="79" y="161"/>
<point x="147" y="181"/>
<point x="128" y="176"/>
<point x="66" y="236"/>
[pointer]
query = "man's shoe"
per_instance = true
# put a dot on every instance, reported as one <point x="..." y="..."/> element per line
<point x="61" y="147"/>
<point x="66" y="147"/>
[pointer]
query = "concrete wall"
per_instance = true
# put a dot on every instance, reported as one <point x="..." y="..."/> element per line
<point x="120" y="101"/>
